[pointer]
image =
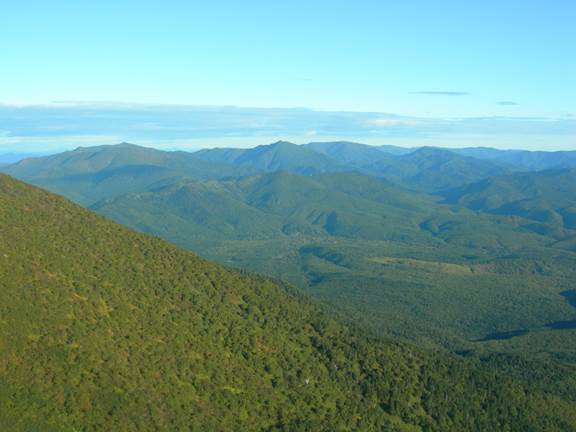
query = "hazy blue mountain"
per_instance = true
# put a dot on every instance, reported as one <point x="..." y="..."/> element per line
<point x="280" y="156"/>
<point x="89" y="174"/>
<point x="227" y="155"/>
<point x="523" y="160"/>
<point x="348" y="153"/>
<point x="547" y="196"/>
<point x="432" y="169"/>
<point x="426" y="169"/>
<point x="356" y="154"/>
<point x="396" y="150"/>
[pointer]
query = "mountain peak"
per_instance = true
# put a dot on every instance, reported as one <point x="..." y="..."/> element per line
<point x="281" y="143"/>
<point x="121" y="145"/>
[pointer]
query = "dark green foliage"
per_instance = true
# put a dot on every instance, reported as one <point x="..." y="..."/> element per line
<point x="105" y="329"/>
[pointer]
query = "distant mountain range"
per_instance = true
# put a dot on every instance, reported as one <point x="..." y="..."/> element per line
<point x="426" y="169"/>
<point x="89" y="174"/>
<point x="280" y="156"/>
<point x="523" y="160"/>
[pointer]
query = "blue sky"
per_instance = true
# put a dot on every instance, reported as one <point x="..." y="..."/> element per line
<point x="428" y="62"/>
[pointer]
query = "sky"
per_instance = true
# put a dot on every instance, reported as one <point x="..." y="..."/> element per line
<point x="454" y="73"/>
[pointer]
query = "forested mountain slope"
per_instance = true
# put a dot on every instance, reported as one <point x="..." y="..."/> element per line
<point x="105" y="329"/>
<point x="90" y="174"/>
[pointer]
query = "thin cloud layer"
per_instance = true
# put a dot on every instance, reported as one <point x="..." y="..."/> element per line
<point x="68" y="125"/>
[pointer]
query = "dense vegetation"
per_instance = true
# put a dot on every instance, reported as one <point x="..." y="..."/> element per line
<point x="102" y="328"/>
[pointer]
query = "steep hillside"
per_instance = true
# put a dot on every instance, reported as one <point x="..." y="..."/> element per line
<point x="105" y="329"/>
<point x="89" y="174"/>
